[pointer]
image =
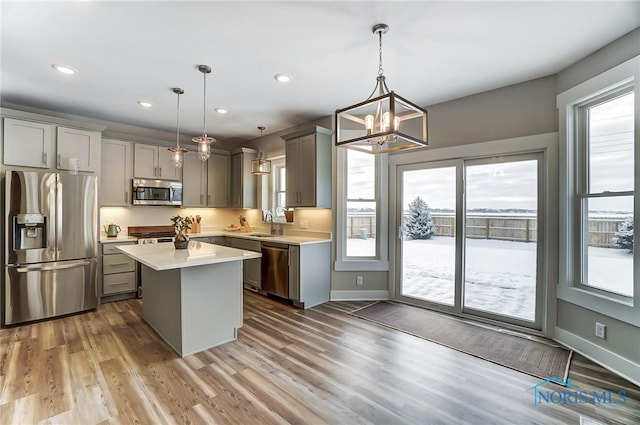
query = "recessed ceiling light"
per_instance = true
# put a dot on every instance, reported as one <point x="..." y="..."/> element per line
<point x="283" y="78"/>
<point x="145" y="104"/>
<point x="64" y="69"/>
<point x="221" y="110"/>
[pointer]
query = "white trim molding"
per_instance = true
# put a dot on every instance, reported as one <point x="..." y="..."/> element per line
<point x="372" y="295"/>
<point x="605" y="358"/>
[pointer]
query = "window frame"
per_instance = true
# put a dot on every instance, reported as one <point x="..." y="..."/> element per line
<point x="381" y="261"/>
<point x="573" y="105"/>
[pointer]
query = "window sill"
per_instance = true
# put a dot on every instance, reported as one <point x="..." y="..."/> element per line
<point x="623" y="310"/>
<point x="361" y="265"/>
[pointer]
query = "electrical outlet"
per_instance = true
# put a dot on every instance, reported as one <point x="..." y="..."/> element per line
<point x="304" y="224"/>
<point x="359" y="280"/>
<point x="600" y="330"/>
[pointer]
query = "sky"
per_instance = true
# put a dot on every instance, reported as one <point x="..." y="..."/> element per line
<point x="512" y="185"/>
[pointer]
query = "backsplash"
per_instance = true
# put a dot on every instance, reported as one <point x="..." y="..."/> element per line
<point x="318" y="220"/>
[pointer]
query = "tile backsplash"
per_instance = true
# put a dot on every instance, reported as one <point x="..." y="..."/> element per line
<point x="317" y="220"/>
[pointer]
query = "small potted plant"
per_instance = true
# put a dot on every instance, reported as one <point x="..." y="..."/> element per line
<point x="181" y="241"/>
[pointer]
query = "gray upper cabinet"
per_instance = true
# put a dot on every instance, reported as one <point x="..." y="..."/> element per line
<point x="154" y="162"/>
<point x="27" y="144"/>
<point x="78" y="150"/>
<point x="115" y="173"/>
<point x="308" y="162"/>
<point x="194" y="187"/>
<point x="243" y="183"/>
<point x="218" y="180"/>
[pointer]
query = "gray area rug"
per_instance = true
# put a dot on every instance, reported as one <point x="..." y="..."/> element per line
<point x="522" y="354"/>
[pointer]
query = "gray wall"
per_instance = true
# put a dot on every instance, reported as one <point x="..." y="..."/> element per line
<point x="519" y="110"/>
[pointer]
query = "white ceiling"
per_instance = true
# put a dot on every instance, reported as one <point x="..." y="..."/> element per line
<point x="434" y="51"/>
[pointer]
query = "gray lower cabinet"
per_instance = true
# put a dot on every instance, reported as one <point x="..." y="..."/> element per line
<point x="200" y="239"/>
<point x="251" y="269"/>
<point x="219" y="240"/>
<point x="309" y="274"/>
<point x="118" y="273"/>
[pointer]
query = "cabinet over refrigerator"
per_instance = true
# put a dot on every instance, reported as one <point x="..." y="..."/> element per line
<point x="51" y="236"/>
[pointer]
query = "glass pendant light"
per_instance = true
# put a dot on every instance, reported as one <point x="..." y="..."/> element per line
<point x="204" y="141"/>
<point x="259" y="165"/>
<point x="177" y="153"/>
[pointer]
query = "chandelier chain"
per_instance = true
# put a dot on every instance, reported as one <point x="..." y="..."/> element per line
<point x="380" y="69"/>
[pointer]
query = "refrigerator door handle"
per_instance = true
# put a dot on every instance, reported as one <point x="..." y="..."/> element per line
<point x="58" y="222"/>
<point x="42" y="268"/>
<point x="53" y="217"/>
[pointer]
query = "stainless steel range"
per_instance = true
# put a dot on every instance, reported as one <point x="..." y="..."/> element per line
<point x="150" y="235"/>
<point x="153" y="237"/>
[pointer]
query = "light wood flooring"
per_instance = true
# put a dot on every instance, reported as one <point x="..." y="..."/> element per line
<point x="288" y="366"/>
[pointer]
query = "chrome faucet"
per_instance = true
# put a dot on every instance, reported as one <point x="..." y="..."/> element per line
<point x="270" y="219"/>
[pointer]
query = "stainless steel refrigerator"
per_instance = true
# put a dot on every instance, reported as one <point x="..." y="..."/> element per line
<point x="51" y="241"/>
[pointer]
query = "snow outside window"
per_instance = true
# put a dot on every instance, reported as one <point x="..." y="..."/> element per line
<point x="362" y="204"/>
<point x="599" y="138"/>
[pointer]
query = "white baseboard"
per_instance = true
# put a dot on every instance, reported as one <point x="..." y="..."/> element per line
<point x="359" y="295"/>
<point x="605" y="358"/>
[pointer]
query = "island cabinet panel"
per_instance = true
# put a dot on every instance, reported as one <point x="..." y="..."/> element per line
<point x="27" y="144"/>
<point x="78" y="150"/>
<point x="191" y="311"/>
<point x="116" y="172"/>
<point x="308" y="162"/>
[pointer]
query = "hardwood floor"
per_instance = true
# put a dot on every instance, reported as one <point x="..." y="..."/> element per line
<point x="288" y="366"/>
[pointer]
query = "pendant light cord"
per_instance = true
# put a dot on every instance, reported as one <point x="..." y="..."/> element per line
<point x="178" y="123"/>
<point x="204" y="109"/>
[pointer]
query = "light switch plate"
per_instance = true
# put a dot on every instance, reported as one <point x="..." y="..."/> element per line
<point x="304" y="224"/>
<point x="600" y="330"/>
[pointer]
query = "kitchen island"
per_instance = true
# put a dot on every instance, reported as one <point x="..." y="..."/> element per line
<point x="192" y="297"/>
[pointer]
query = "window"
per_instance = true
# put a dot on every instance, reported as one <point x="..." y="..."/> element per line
<point x="598" y="201"/>
<point x="605" y="143"/>
<point x="277" y="185"/>
<point x="362" y="204"/>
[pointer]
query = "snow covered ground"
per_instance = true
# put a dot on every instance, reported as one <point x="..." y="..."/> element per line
<point x="499" y="275"/>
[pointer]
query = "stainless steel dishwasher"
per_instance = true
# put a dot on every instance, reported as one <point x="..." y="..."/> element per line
<point x="275" y="269"/>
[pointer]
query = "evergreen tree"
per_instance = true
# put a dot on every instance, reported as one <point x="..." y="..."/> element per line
<point x="419" y="223"/>
<point x="624" y="235"/>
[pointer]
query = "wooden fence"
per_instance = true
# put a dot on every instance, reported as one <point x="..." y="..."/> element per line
<point x="503" y="227"/>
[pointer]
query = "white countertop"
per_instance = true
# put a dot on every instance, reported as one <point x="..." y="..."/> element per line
<point x="285" y="239"/>
<point x="164" y="256"/>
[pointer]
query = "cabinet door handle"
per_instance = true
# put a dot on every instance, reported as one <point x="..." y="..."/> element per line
<point x="208" y="199"/>
<point x="44" y="158"/>
<point x="159" y="171"/>
<point x="126" y="196"/>
<point x="59" y="160"/>
<point x="201" y="199"/>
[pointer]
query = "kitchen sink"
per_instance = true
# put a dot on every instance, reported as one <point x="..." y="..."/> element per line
<point x="262" y="236"/>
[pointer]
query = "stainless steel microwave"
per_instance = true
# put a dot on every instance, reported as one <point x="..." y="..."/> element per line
<point x="157" y="192"/>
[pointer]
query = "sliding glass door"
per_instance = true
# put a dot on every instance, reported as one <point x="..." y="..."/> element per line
<point x="469" y="237"/>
